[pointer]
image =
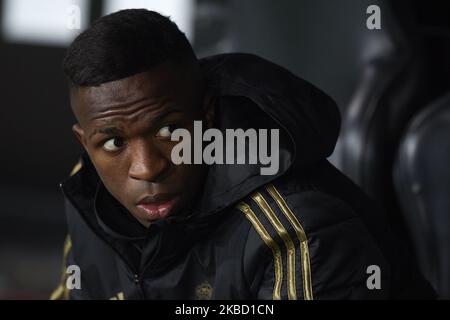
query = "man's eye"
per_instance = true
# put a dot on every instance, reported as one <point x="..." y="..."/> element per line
<point x="113" y="144"/>
<point x="165" y="132"/>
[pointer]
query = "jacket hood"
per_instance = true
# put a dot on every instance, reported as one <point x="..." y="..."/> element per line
<point x="254" y="93"/>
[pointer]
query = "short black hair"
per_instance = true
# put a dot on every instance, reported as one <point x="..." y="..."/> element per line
<point x="123" y="44"/>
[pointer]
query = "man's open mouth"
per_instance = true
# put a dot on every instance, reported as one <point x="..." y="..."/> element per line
<point x="159" y="206"/>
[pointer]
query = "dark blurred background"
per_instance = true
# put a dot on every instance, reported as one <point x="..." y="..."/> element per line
<point x="391" y="86"/>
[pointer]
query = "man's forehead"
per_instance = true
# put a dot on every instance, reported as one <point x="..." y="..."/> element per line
<point x="149" y="85"/>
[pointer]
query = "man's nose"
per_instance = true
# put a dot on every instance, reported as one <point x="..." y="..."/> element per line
<point x="147" y="162"/>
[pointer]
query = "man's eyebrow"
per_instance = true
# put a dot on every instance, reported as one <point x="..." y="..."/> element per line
<point x="108" y="131"/>
<point x="157" y="119"/>
<point x="115" y="131"/>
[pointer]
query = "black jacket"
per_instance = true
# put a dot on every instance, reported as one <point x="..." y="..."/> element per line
<point x="306" y="233"/>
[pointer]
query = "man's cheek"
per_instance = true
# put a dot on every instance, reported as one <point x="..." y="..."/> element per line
<point x="110" y="172"/>
<point x="106" y="164"/>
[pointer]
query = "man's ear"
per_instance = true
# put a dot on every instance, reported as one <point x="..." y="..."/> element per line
<point x="79" y="133"/>
<point x="208" y="108"/>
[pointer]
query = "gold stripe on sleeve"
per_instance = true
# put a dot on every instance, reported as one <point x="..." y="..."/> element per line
<point x="305" y="259"/>
<point x="281" y="230"/>
<point x="265" y="236"/>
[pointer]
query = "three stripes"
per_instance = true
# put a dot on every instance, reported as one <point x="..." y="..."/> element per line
<point x="287" y="240"/>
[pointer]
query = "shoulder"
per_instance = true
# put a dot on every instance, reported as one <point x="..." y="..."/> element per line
<point x="312" y="236"/>
<point x="277" y="208"/>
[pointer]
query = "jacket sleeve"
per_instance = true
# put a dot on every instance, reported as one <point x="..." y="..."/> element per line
<point x="62" y="292"/>
<point x="316" y="247"/>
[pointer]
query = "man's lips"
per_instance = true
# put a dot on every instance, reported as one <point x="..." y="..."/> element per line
<point x="159" y="206"/>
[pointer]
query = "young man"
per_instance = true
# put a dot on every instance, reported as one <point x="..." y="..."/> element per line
<point x="143" y="227"/>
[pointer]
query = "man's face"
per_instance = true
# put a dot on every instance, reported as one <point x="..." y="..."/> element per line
<point x="125" y="127"/>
